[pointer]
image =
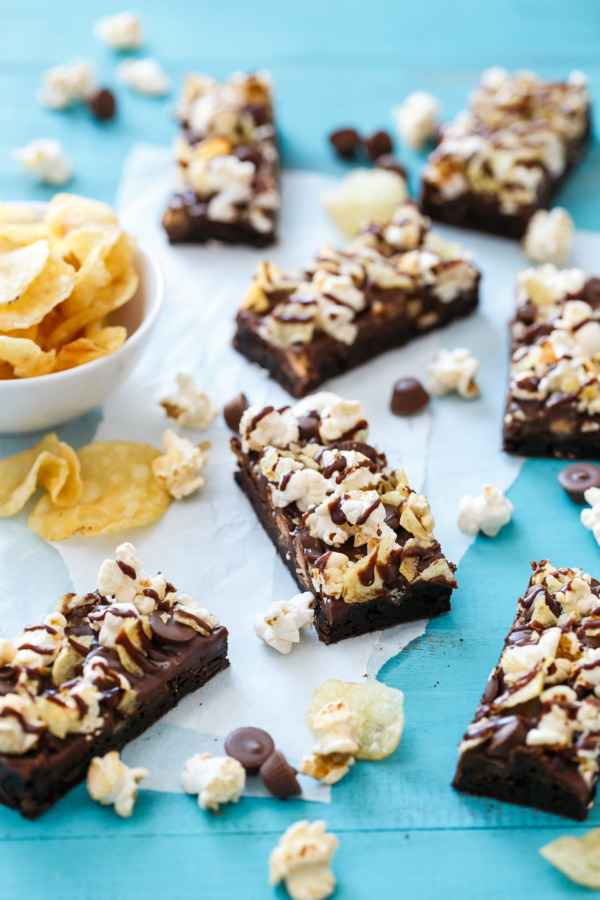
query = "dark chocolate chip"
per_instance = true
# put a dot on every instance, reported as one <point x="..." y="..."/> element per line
<point x="171" y="631"/>
<point x="248" y="154"/>
<point x="576" y="479"/>
<point x="379" y="144"/>
<point x="102" y="104"/>
<point x="409" y="397"/>
<point x="345" y="142"/>
<point x="389" y="162"/>
<point x="591" y="291"/>
<point x="250" y="746"/>
<point x="511" y="733"/>
<point x="234" y="410"/>
<point x="279" y="777"/>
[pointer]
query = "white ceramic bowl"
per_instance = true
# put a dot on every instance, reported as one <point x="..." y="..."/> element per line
<point x="29" y="404"/>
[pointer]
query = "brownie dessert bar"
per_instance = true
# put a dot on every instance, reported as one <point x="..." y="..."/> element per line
<point x="390" y="284"/>
<point x="227" y="163"/>
<point x="506" y="157"/>
<point x="553" y="404"/>
<point x="347" y="525"/>
<point x="535" y="739"/>
<point x="94" y="675"/>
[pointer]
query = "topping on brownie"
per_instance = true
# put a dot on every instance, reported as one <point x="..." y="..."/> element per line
<point x="342" y="286"/>
<point x="110" y="781"/>
<point x="178" y="470"/>
<point x="549" y="236"/>
<point x="215" y="779"/>
<point x="516" y="136"/>
<point x="79" y="667"/>
<point x="190" y="407"/>
<point x="417" y="119"/>
<point x="302" y="859"/>
<point x="487" y="513"/>
<point x="548" y="679"/>
<point x="280" y="625"/>
<point x="454" y="370"/>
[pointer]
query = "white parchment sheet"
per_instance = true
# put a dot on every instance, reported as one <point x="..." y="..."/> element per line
<point x="211" y="545"/>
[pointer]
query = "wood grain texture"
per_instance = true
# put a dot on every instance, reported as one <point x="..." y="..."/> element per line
<point x="402" y="830"/>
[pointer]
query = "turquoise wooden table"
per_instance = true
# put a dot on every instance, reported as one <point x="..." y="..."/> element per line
<point x="402" y="830"/>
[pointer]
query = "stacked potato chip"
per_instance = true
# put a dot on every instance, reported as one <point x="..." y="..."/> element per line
<point x="60" y="277"/>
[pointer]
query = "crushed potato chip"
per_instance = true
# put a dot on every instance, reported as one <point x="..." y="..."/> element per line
<point x="119" y="491"/>
<point x="26" y="357"/>
<point x="51" y="464"/>
<point x="377" y="710"/>
<point x="19" y="267"/>
<point x="51" y="287"/>
<point x="577" y="858"/>
<point x="85" y="349"/>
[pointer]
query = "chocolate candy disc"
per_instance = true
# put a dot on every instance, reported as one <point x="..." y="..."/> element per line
<point x="409" y="397"/>
<point x="171" y="631"/>
<point x="102" y="104"/>
<point x="250" y="746"/>
<point x="345" y="142"/>
<point x="279" y="777"/>
<point x="234" y="410"/>
<point x="578" y="478"/>
<point x="379" y="144"/>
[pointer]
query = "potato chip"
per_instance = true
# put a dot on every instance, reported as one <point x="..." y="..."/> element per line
<point x="111" y="297"/>
<point x="50" y="288"/>
<point x="120" y="254"/>
<point x="119" y="491"/>
<point x="26" y="357"/>
<point x="377" y="710"/>
<point x="68" y="211"/>
<point x="85" y="349"/>
<point x="577" y="858"/>
<point x="19" y="267"/>
<point x="18" y="214"/>
<point x="21" y="233"/>
<point x="50" y="464"/>
<point x="86" y="249"/>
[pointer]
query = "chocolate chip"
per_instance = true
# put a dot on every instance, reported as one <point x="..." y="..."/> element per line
<point x="379" y="144"/>
<point x="409" y="397"/>
<point x="250" y="746"/>
<point x="279" y="777"/>
<point x="389" y="162"/>
<point x="309" y="427"/>
<point x="511" y="733"/>
<point x="576" y="479"/>
<point x="248" y="154"/>
<point x="234" y="410"/>
<point x="591" y="291"/>
<point x="102" y="104"/>
<point x="345" y="142"/>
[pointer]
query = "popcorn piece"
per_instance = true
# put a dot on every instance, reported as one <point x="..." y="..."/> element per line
<point x="591" y="517"/>
<point x="190" y="407"/>
<point x="487" y="513"/>
<point x="302" y="860"/>
<point x="216" y="779"/>
<point x="365" y="194"/>
<point x="110" y="781"/>
<point x="280" y="625"/>
<point x="177" y="471"/>
<point x="377" y="714"/>
<point x="337" y="746"/>
<point x="64" y="85"/>
<point x="20" y="724"/>
<point x="46" y="159"/>
<point x="146" y="76"/>
<point x="577" y="858"/>
<point x="549" y="236"/>
<point x="121" y="32"/>
<point x="338" y="416"/>
<point x="417" y="119"/>
<point x="261" y="427"/>
<point x="454" y="370"/>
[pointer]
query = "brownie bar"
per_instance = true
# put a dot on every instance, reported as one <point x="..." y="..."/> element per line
<point x="347" y="526"/>
<point x="95" y="675"/>
<point x="553" y="406"/>
<point x="390" y="284"/>
<point x="227" y="163"/>
<point x="505" y="158"/>
<point x="535" y="738"/>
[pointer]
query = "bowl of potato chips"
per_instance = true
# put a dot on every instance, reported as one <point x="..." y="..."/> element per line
<point x="78" y="300"/>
